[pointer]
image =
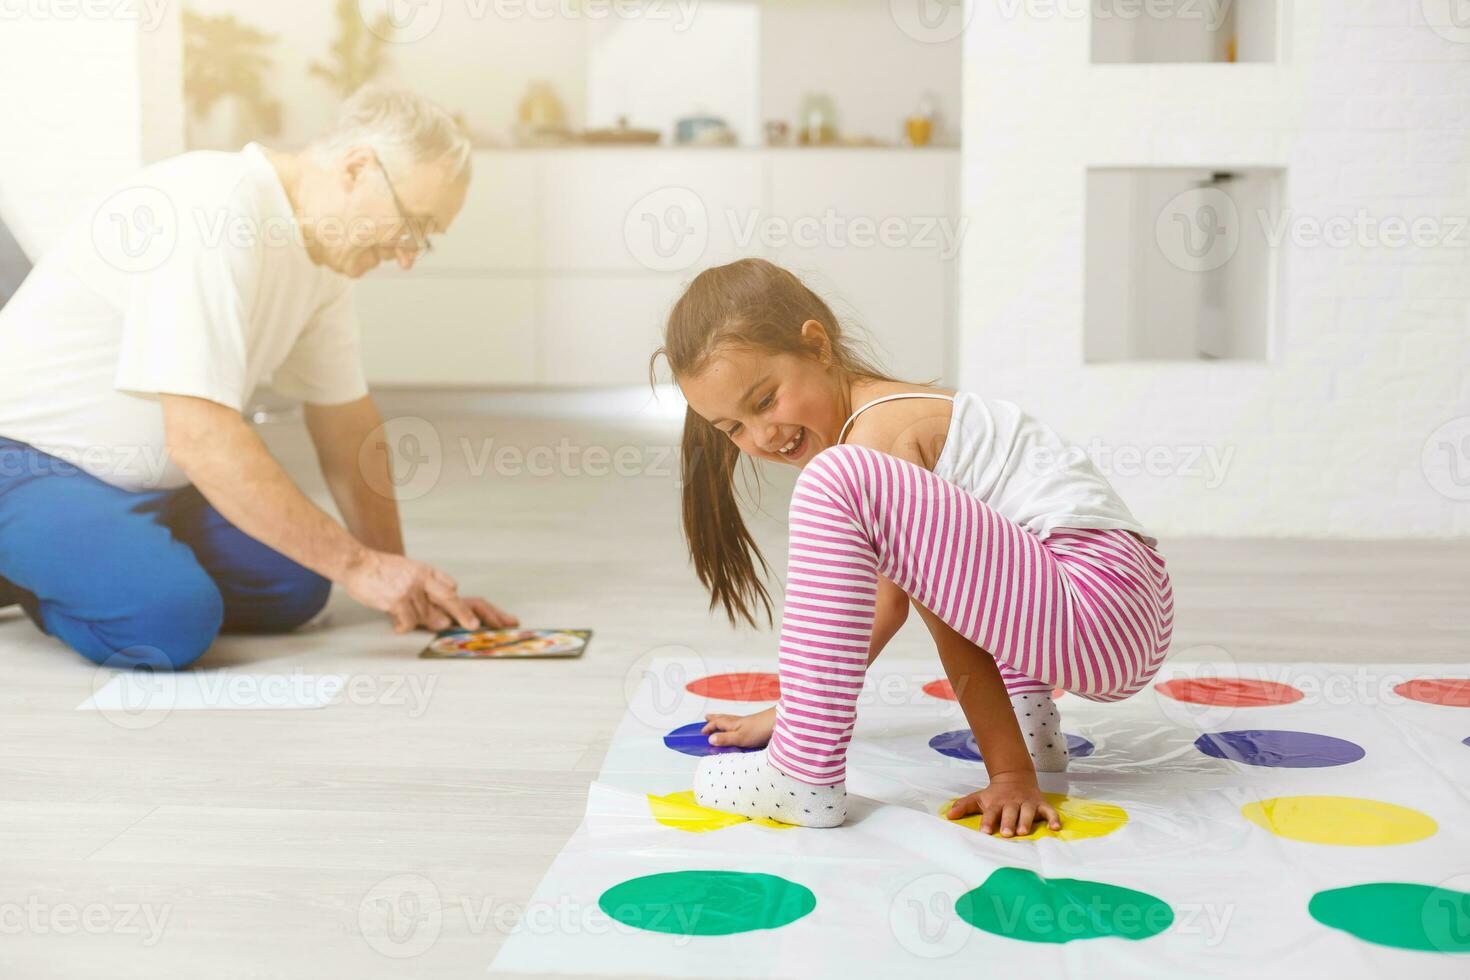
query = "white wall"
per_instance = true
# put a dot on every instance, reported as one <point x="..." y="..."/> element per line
<point x="653" y="72"/>
<point x="83" y="108"/>
<point x="1368" y="109"/>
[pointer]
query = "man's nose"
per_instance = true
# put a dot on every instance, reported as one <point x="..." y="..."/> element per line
<point x="406" y="259"/>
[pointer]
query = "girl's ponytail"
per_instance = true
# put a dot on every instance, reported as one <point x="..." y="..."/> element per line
<point x="724" y="553"/>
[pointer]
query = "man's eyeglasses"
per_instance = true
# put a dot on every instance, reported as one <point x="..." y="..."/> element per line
<point x="411" y="239"/>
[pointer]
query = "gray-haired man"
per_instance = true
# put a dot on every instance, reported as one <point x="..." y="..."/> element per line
<point x="140" y="514"/>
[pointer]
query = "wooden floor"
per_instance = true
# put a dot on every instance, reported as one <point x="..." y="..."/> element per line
<point x="227" y="844"/>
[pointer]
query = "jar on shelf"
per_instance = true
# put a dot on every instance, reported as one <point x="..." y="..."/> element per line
<point x="817" y="120"/>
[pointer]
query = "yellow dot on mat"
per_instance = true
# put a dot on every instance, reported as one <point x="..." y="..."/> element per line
<point x="1081" y="819"/>
<point x="1343" y="820"/>
<point x="678" y="810"/>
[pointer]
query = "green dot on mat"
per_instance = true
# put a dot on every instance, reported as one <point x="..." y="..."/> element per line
<point x="707" y="903"/>
<point x="1398" y="913"/>
<point x="1021" y="904"/>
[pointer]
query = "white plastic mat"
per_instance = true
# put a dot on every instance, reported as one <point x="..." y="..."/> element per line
<point x="880" y="896"/>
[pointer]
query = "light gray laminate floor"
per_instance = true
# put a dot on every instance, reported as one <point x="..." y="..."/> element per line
<point x="259" y="835"/>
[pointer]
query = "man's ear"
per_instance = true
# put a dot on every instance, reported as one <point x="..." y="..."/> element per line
<point x="816" y="338"/>
<point x="354" y="165"/>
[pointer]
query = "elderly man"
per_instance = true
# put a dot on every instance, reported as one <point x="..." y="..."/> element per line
<point x="140" y="514"/>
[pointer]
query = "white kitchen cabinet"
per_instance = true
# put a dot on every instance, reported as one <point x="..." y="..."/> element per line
<point x="601" y="330"/>
<point x="457" y="330"/>
<point x="499" y="227"/>
<point x="607" y="210"/>
<point x="561" y="268"/>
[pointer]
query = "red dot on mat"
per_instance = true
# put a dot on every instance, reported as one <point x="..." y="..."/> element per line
<point x="940" y="689"/>
<point x="1230" y="692"/>
<point x="737" y="687"/>
<point x="943" y="690"/>
<point x="1449" y="691"/>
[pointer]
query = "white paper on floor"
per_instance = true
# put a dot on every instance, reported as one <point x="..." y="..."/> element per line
<point x="212" y="690"/>
<point x="1168" y="873"/>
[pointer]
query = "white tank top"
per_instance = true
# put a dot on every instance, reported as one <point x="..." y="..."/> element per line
<point x="1021" y="467"/>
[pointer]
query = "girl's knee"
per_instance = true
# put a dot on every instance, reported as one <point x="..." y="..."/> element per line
<point x="837" y="471"/>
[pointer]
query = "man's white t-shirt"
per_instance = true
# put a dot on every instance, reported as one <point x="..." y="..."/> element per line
<point x="191" y="279"/>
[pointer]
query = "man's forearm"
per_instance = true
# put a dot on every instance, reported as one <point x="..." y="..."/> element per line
<point x="224" y="458"/>
<point x="371" y="516"/>
<point x="358" y="472"/>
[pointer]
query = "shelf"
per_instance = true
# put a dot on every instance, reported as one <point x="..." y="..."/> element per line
<point x="1125" y="32"/>
<point x="1178" y="264"/>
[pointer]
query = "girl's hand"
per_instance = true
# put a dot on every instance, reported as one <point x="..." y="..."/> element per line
<point x="1013" y="801"/>
<point x="746" y="731"/>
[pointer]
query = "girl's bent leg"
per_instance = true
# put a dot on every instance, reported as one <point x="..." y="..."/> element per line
<point x="1090" y="612"/>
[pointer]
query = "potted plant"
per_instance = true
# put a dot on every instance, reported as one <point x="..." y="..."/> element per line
<point x="357" y="54"/>
<point x="225" y="63"/>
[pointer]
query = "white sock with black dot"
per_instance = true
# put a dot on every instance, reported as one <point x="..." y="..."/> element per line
<point x="1041" y="727"/>
<point x="745" y="783"/>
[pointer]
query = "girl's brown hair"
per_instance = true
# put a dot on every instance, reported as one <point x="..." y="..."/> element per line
<point x="756" y="305"/>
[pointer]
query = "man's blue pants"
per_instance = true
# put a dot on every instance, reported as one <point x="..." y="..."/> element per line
<point x="137" y="579"/>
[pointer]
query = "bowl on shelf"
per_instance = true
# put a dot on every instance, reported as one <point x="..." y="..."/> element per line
<point x="622" y="134"/>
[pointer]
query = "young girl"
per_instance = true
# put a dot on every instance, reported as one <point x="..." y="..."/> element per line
<point x="1028" y="570"/>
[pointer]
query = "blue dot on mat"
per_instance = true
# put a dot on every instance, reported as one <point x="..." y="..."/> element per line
<point x="1465" y="741"/>
<point x="689" y="740"/>
<point x="960" y="744"/>
<point x="1279" y="749"/>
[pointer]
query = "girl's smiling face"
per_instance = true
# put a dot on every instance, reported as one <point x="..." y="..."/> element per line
<point x="782" y="407"/>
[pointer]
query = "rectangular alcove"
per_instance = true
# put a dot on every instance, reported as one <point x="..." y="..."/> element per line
<point x="1179" y="265"/>
<point x="1183" y="31"/>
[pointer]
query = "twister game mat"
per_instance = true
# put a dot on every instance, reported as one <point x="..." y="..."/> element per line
<point x="506" y="644"/>
<point x="1263" y="820"/>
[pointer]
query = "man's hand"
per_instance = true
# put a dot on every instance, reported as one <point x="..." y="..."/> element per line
<point x="1012" y="800"/>
<point x="746" y="731"/>
<point x="415" y="594"/>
